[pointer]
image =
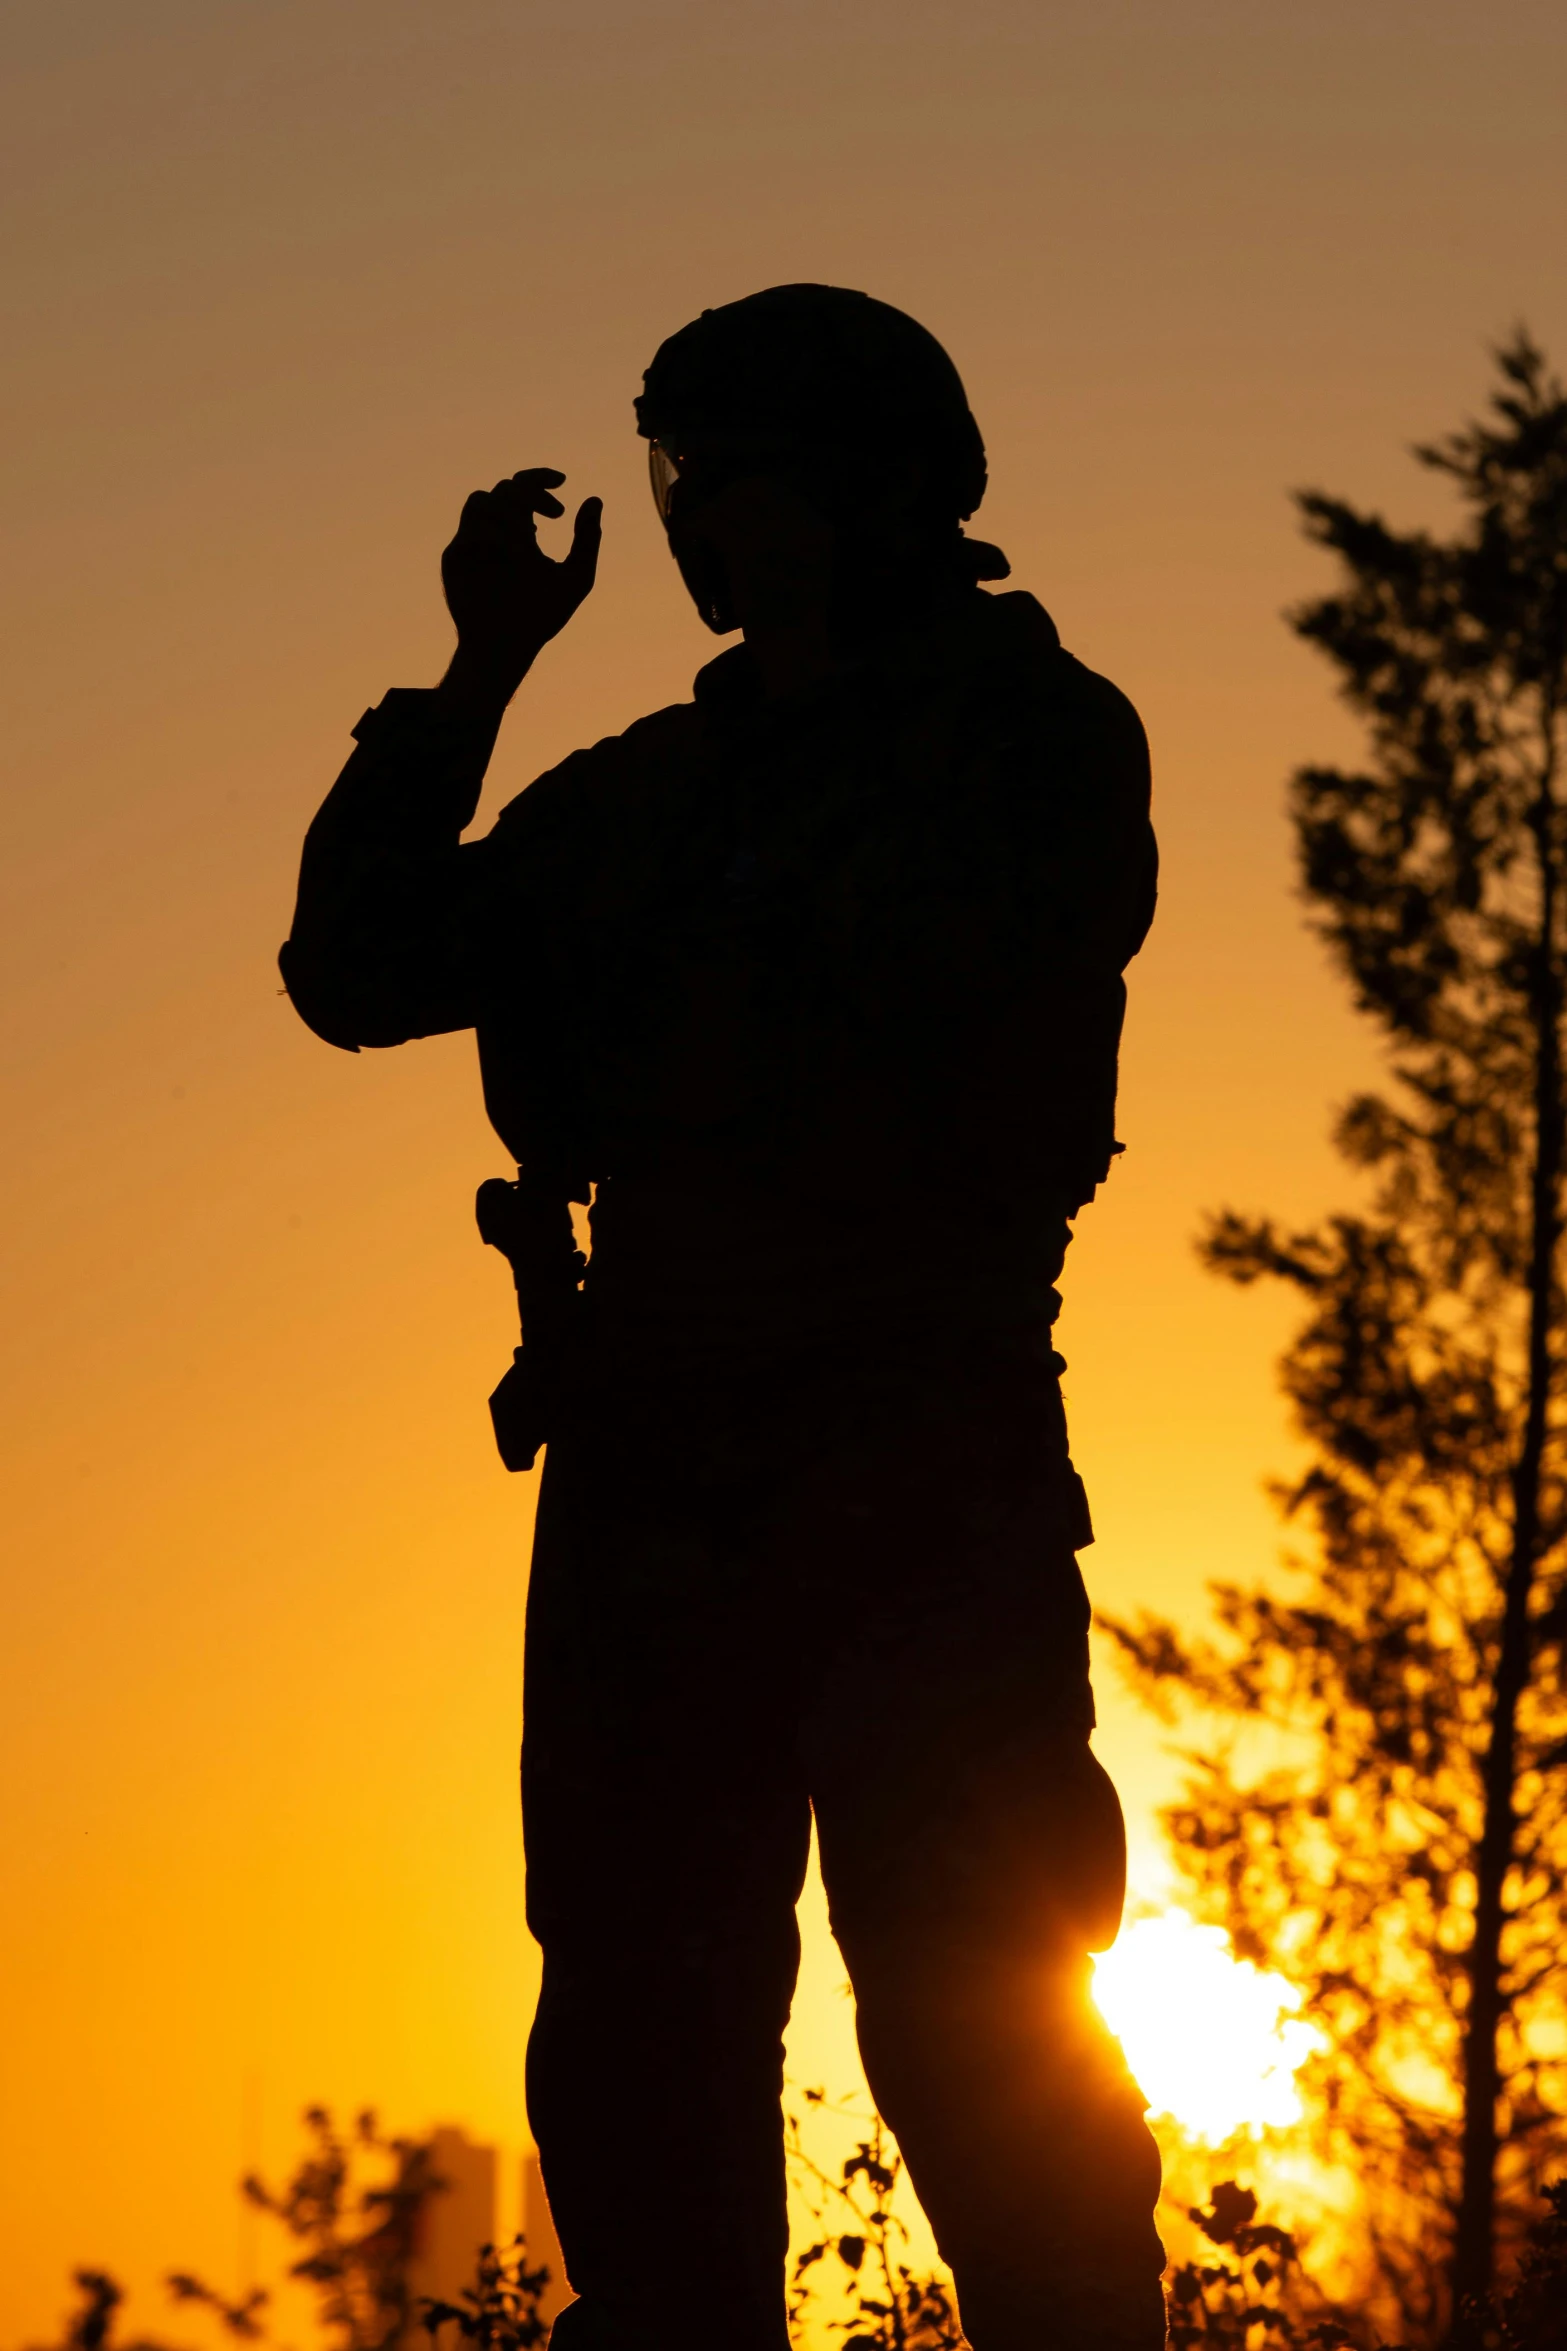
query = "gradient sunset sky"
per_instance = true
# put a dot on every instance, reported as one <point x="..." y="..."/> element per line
<point x="284" y="280"/>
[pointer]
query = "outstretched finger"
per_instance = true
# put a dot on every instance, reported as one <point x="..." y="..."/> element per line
<point x="516" y="507"/>
<point x="581" y="559"/>
<point x="536" y="484"/>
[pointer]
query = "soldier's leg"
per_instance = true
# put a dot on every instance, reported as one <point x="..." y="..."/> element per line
<point x="973" y="1853"/>
<point x="666" y="1827"/>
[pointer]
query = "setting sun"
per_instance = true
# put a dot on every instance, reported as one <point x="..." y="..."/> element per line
<point x="1212" y="2039"/>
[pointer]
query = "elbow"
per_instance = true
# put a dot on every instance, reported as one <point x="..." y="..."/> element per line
<point x="324" y="1009"/>
<point x="359" y="1003"/>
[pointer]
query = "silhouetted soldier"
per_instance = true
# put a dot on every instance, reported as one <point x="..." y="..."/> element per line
<point x="813" y="983"/>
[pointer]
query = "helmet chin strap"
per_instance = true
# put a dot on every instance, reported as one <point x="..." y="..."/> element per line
<point x="707" y="582"/>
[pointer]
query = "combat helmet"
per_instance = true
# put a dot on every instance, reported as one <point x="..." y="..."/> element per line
<point x="855" y="382"/>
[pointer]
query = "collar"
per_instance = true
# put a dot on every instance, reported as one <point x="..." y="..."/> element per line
<point x="972" y="626"/>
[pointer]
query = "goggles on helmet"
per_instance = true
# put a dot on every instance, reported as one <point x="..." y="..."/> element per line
<point x="706" y="463"/>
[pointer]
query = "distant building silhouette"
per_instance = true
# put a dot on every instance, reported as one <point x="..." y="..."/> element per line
<point x="455" y="2223"/>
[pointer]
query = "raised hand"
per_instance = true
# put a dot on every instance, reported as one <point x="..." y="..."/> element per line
<point x="507" y="597"/>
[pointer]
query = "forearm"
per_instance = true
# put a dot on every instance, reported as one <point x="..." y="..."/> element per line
<point x="478" y="686"/>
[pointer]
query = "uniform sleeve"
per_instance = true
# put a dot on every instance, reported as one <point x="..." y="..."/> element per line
<point x="379" y="950"/>
<point x="1100" y="886"/>
<point x="403" y="929"/>
<point x="1075" y="851"/>
<point x="1108" y="862"/>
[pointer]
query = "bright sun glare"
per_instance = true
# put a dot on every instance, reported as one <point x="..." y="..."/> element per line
<point x="1213" y="2039"/>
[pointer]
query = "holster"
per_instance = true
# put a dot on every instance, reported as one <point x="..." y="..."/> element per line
<point x="529" y="1222"/>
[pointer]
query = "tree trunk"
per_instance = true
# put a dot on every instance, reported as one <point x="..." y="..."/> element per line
<point x="1475" y="2233"/>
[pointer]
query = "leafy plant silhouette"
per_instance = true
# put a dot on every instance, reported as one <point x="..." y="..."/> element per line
<point x="358" y="2235"/>
<point x="91" y="2326"/>
<point x="1251" y="2291"/>
<point x="1249" y="2295"/>
<point x="890" y="2307"/>
<point x="500" y="2310"/>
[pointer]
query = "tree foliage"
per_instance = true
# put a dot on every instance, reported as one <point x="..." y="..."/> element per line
<point x="1396" y="1837"/>
<point x="1532" y="2316"/>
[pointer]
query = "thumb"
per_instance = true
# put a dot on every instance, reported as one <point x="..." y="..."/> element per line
<point x="581" y="560"/>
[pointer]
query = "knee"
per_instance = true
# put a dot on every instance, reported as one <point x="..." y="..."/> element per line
<point x="1029" y="1874"/>
<point x="631" y="1979"/>
<point x="1006" y="2041"/>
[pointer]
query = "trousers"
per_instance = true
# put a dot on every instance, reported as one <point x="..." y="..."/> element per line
<point x="875" y="1615"/>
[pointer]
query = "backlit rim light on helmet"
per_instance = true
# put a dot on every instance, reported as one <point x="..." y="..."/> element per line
<point x="663" y="472"/>
<point x="718" y="457"/>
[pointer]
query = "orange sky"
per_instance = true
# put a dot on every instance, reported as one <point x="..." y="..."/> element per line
<point x="284" y="280"/>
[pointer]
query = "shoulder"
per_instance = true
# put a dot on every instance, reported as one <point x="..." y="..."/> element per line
<point x="1015" y="635"/>
<point x="1071" y="761"/>
<point x="606" y="782"/>
<point x="1080" y="735"/>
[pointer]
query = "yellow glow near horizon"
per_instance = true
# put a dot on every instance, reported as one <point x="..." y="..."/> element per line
<point x="1213" y="2039"/>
